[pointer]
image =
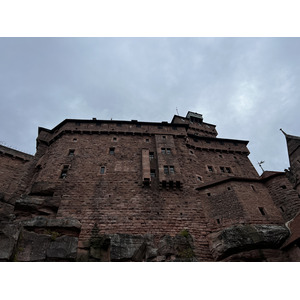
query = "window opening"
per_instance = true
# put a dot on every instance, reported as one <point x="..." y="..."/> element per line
<point x="228" y="170"/>
<point x="147" y="140"/>
<point x="262" y="211"/>
<point x="172" y="171"/>
<point x="253" y="188"/>
<point x="138" y="125"/>
<point x="283" y="187"/>
<point x="282" y="209"/>
<point x="163" y="150"/>
<point x="210" y="168"/>
<point x="166" y="169"/>
<point x="164" y="137"/>
<point x="112" y="150"/>
<point x="229" y="188"/>
<point x="168" y="151"/>
<point x="222" y="169"/>
<point x="64" y="171"/>
<point x="71" y="152"/>
<point x="74" y="140"/>
<point x="218" y="221"/>
<point x="114" y="139"/>
<point x="119" y="124"/>
<point x="208" y="194"/>
<point x="199" y="178"/>
<point x="152" y="173"/>
<point x="151" y="155"/>
<point x="102" y="170"/>
<point x="220" y="155"/>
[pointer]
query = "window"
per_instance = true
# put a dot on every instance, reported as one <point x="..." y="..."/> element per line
<point x="169" y="170"/>
<point x="228" y="170"/>
<point x="147" y="140"/>
<point x="152" y="173"/>
<point x="163" y="137"/>
<point x="253" y="188"/>
<point x="71" y="152"/>
<point x="166" y="169"/>
<point x="191" y="152"/>
<point x="168" y="151"/>
<point x="222" y="169"/>
<point x="199" y="178"/>
<point x="163" y="150"/>
<point x="208" y="194"/>
<point x="114" y="139"/>
<point x="229" y="188"/>
<point x="64" y="171"/>
<point x="102" y="170"/>
<point x="210" y="168"/>
<point x="138" y="125"/>
<point x="283" y="187"/>
<point x="218" y="221"/>
<point x="220" y="155"/>
<point x="112" y="151"/>
<point x="74" y="140"/>
<point x="262" y="211"/>
<point x="282" y="209"/>
<point x="151" y="155"/>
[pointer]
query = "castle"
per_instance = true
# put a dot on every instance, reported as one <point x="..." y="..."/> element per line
<point x="107" y="190"/>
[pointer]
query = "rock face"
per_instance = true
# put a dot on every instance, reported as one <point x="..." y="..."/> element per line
<point x="128" y="247"/>
<point x="242" y="238"/>
<point x="9" y="234"/>
<point x="40" y="239"/>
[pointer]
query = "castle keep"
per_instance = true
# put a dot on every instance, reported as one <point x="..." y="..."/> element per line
<point x="107" y="190"/>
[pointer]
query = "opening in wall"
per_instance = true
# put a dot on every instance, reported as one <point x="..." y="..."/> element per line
<point x="262" y="211"/>
<point x="71" y="152"/>
<point x="64" y="171"/>
<point x="112" y="151"/>
<point x="102" y="170"/>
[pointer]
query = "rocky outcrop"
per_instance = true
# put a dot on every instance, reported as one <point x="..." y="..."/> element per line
<point x="40" y="239"/>
<point x="9" y="234"/>
<point x="128" y="247"/>
<point x="242" y="238"/>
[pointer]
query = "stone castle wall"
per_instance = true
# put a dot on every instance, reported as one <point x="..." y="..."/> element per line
<point x="115" y="190"/>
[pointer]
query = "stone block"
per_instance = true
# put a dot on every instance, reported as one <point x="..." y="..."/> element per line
<point x="32" y="246"/>
<point x="64" y="247"/>
<point x="9" y="234"/>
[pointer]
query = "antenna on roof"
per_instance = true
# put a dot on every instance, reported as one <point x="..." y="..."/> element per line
<point x="177" y="111"/>
<point x="260" y="163"/>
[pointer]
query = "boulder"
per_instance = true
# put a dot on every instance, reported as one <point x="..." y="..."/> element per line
<point x="246" y="237"/>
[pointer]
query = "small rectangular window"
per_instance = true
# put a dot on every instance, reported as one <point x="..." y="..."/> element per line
<point x="163" y="150"/>
<point x="168" y="151"/>
<point x="222" y="169"/>
<point x="228" y="170"/>
<point x="152" y="173"/>
<point x="166" y="169"/>
<point x="71" y="152"/>
<point x="283" y="187"/>
<point x="102" y="170"/>
<point x="151" y="155"/>
<point x="210" y="168"/>
<point x="172" y="170"/>
<point x="64" y="171"/>
<point x="112" y="150"/>
<point x="164" y="137"/>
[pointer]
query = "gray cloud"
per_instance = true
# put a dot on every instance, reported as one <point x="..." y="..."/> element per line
<point x="248" y="87"/>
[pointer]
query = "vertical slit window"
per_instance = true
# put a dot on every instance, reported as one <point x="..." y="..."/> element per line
<point x="64" y="171"/>
<point x="166" y="169"/>
<point x="111" y="151"/>
<point x="262" y="211"/>
<point x="102" y="170"/>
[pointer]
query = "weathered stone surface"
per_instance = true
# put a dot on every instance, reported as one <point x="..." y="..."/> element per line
<point x="64" y="247"/>
<point x="126" y="247"/>
<point x="37" y="205"/>
<point x="246" y="237"/>
<point x="32" y="246"/>
<point x="9" y="234"/>
<point x="45" y="222"/>
<point x="43" y="188"/>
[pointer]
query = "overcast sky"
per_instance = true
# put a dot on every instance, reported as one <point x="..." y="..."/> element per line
<point x="248" y="87"/>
